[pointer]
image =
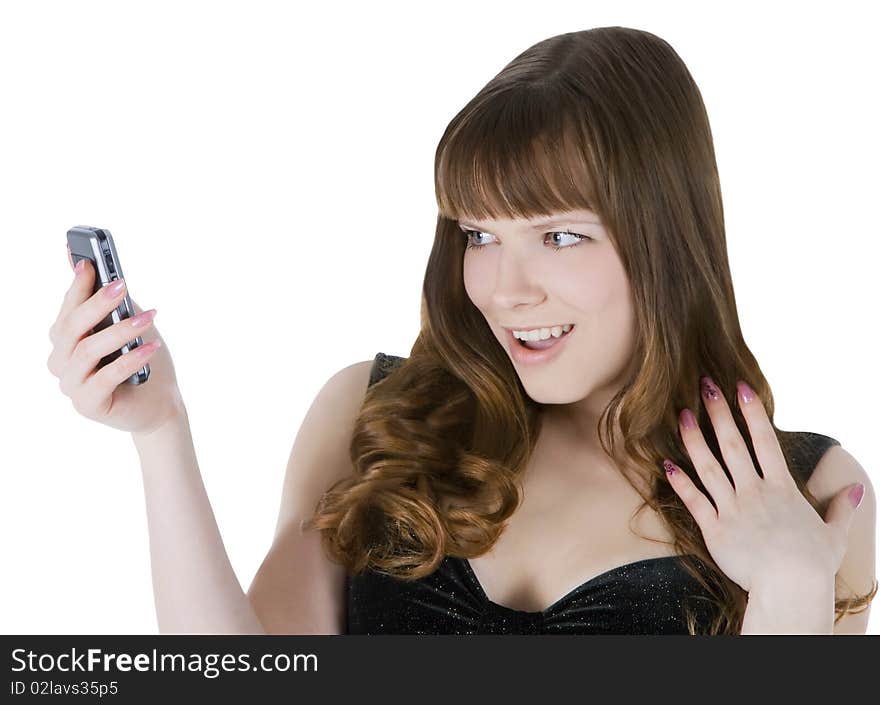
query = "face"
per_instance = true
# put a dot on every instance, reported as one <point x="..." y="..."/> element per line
<point x="522" y="274"/>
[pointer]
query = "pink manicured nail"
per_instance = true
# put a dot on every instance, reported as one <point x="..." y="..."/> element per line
<point x="710" y="390"/>
<point x="745" y="391"/>
<point x="687" y="418"/>
<point x="669" y="466"/>
<point x="111" y="291"/>
<point x="79" y="267"/>
<point x="147" y="348"/>
<point x="856" y="494"/>
<point x="142" y="318"/>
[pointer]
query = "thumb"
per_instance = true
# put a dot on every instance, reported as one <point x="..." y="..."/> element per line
<point x="843" y="506"/>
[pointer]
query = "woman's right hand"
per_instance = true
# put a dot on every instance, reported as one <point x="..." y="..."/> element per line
<point x="100" y="394"/>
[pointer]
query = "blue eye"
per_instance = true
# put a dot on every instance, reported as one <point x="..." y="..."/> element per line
<point x="579" y="238"/>
<point x="470" y="243"/>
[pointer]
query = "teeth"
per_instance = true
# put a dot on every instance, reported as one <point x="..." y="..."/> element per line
<point x="542" y="333"/>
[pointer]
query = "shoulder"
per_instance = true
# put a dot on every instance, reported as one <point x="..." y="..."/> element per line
<point x="298" y="589"/>
<point x="834" y="470"/>
<point x="340" y="397"/>
<point x="837" y="469"/>
<point x="344" y="390"/>
<point x="350" y="381"/>
<point x="319" y="455"/>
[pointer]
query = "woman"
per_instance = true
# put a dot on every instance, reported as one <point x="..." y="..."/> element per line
<point x="579" y="442"/>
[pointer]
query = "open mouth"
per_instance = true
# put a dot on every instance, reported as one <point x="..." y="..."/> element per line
<point x="542" y="344"/>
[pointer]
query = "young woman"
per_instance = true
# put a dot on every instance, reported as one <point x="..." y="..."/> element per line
<point x="580" y="440"/>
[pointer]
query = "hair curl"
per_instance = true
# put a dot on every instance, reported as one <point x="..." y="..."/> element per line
<point x="607" y="119"/>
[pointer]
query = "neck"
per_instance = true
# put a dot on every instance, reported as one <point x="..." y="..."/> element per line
<point x="574" y="428"/>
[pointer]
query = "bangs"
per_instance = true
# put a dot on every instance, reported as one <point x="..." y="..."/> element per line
<point x="515" y="156"/>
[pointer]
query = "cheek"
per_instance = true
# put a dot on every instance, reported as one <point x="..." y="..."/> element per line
<point x="590" y="289"/>
<point x="601" y="293"/>
<point x="477" y="283"/>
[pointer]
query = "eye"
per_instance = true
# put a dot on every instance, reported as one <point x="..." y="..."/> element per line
<point x="577" y="241"/>
<point x="471" y="245"/>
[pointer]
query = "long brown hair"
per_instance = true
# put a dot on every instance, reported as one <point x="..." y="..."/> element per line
<point x="607" y="119"/>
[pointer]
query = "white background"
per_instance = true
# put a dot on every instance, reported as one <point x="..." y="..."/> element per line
<point x="267" y="171"/>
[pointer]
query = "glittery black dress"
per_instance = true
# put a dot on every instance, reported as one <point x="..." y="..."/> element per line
<point x="643" y="597"/>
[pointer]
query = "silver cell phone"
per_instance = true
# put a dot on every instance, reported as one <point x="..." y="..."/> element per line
<point x="96" y="244"/>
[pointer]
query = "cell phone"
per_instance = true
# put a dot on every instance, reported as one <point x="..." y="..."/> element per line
<point x="96" y="244"/>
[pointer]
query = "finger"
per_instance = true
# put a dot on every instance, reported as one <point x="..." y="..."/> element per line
<point x="695" y="501"/>
<point x="730" y="441"/>
<point x="842" y="508"/>
<point x="91" y="350"/>
<point x="78" y="323"/>
<point x="764" y="439"/>
<point x="63" y="336"/>
<point x="707" y="466"/>
<point x="80" y="289"/>
<point x="102" y="384"/>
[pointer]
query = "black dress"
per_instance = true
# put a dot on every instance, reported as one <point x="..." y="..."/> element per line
<point x="643" y="597"/>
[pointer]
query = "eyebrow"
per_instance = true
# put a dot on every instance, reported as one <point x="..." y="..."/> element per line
<point x="540" y="224"/>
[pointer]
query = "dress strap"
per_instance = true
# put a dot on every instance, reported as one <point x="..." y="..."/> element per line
<point x="804" y="450"/>
<point x="383" y="364"/>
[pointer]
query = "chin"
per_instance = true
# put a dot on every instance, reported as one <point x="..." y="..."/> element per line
<point x="560" y="396"/>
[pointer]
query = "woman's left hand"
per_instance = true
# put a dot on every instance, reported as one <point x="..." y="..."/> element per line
<point x="764" y="530"/>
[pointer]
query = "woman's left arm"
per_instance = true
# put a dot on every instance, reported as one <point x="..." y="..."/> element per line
<point x="856" y="576"/>
<point x="804" y="604"/>
<point x="761" y="531"/>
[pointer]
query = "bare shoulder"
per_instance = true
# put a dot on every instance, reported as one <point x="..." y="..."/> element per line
<point x="298" y="589"/>
<point x="319" y="456"/>
<point x="837" y="469"/>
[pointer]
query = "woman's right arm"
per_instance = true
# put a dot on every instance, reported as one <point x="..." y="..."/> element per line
<point x="194" y="586"/>
<point x="297" y="589"/>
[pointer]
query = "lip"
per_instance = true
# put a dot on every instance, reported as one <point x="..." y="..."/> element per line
<point x="524" y="356"/>
<point x="532" y="327"/>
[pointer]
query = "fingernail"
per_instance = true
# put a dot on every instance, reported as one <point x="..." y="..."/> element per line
<point x="710" y="390"/>
<point x="687" y="418"/>
<point x="745" y="391"/>
<point x="142" y="318"/>
<point x="856" y="494"/>
<point x="670" y="467"/>
<point x="147" y="348"/>
<point x="111" y="291"/>
<point x="79" y="266"/>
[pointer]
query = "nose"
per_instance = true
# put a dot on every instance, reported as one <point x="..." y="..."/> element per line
<point x="514" y="284"/>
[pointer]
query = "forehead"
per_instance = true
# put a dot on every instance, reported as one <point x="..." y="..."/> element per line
<point x="580" y="215"/>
